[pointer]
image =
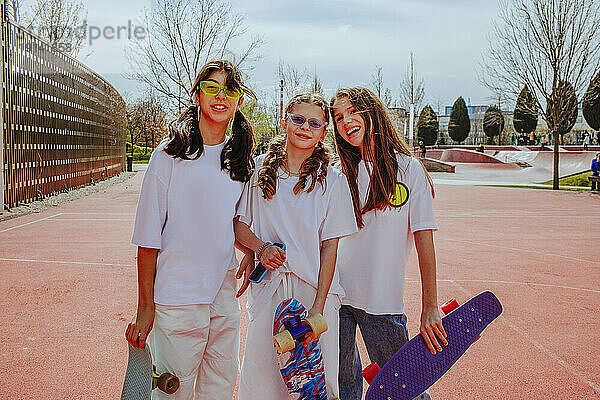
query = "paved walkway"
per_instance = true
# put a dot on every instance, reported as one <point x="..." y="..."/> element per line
<point x="68" y="280"/>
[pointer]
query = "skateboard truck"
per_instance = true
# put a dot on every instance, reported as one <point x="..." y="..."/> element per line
<point x="166" y="382"/>
<point x="294" y="330"/>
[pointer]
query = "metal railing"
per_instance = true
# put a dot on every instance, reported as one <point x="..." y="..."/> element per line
<point x="63" y="125"/>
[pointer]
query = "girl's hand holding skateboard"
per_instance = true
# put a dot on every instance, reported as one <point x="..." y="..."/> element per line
<point x="432" y="329"/>
<point x="311" y="336"/>
<point x="138" y="330"/>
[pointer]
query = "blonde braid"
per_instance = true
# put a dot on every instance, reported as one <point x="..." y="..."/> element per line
<point x="274" y="158"/>
<point x="316" y="163"/>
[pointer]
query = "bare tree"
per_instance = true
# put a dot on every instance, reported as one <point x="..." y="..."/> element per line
<point x="182" y="36"/>
<point x="316" y="86"/>
<point x="147" y="120"/>
<point x="412" y="88"/>
<point x="61" y="22"/>
<point x="294" y="80"/>
<point x="384" y="94"/>
<point x="541" y="43"/>
<point x="13" y="9"/>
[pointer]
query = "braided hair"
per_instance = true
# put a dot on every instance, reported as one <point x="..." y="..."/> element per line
<point x="315" y="166"/>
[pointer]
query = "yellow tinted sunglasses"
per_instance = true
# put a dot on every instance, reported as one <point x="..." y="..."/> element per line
<point x="212" y="89"/>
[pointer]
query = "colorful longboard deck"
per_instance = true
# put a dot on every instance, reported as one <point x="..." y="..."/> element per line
<point x="302" y="366"/>
<point x="413" y="368"/>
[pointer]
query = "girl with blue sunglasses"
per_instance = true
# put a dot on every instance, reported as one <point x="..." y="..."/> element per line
<point x="296" y="198"/>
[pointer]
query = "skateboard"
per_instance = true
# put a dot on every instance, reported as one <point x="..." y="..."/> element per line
<point x="413" y="368"/>
<point x="301" y="365"/>
<point x="141" y="377"/>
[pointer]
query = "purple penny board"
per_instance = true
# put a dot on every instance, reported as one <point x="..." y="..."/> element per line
<point x="301" y="368"/>
<point x="413" y="368"/>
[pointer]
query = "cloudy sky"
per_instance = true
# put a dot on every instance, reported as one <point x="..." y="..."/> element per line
<point x="340" y="41"/>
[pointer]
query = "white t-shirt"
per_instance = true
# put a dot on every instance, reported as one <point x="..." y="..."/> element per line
<point x="186" y="210"/>
<point x="372" y="262"/>
<point x="300" y="221"/>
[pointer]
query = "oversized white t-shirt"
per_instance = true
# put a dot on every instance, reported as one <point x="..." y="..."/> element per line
<point x="299" y="221"/>
<point x="372" y="262"/>
<point x="186" y="210"/>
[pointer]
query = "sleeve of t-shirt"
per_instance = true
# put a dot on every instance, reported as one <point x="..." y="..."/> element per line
<point x="420" y="212"/>
<point x="244" y="207"/>
<point x="339" y="219"/>
<point x="151" y="212"/>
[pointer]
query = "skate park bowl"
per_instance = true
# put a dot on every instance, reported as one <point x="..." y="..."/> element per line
<point x="510" y="165"/>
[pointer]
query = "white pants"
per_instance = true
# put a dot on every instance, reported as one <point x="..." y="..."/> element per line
<point x="200" y="345"/>
<point x="260" y="378"/>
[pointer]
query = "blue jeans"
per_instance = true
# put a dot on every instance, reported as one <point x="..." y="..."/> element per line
<point x="384" y="335"/>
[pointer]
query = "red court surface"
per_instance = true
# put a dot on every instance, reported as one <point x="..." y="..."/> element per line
<point x="68" y="280"/>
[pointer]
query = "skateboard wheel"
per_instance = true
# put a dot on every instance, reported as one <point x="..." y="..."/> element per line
<point x="166" y="382"/>
<point x="449" y="306"/>
<point x="284" y="341"/>
<point x="317" y="324"/>
<point x="370" y="371"/>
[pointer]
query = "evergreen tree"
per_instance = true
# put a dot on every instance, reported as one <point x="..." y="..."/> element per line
<point x="459" y="125"/>
<point x="591" y="103"/>
<point x="428" y="126"/>
<point x="565" y="102"/>
<point x="525" y="116"/>
<point x="493" y="122"/>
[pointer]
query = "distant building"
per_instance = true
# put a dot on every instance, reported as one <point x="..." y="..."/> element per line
<point x="477" y="136"/>
<point x="400" y="119"/>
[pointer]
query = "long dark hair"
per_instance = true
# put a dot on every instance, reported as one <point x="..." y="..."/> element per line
<point x="379" y="148"/>
<point x="185" y="140"/>
<point x="314" y="166"/>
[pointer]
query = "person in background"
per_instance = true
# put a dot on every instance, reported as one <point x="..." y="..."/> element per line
<point x="586" y="141"/>
<point x="422" y="148"/>
<point x="595" y="171"/>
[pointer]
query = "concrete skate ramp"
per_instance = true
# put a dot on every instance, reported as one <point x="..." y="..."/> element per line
<point x="435" y="154"/>
<point x="509" y="171"/>
<point x="433" y="165"/>
<point x="467" y="156"/>
<point x="569" y="162"/>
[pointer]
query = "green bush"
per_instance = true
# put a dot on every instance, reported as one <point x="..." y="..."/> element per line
<point x="565" y="99"/>
<point x="428" y="126"/>
<point x="459" y="125"/>
<point x="525" y="116"/>
<point x="138" y="153"/>
<point x="493" y="122"/>
<point x="591" y="103"/>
